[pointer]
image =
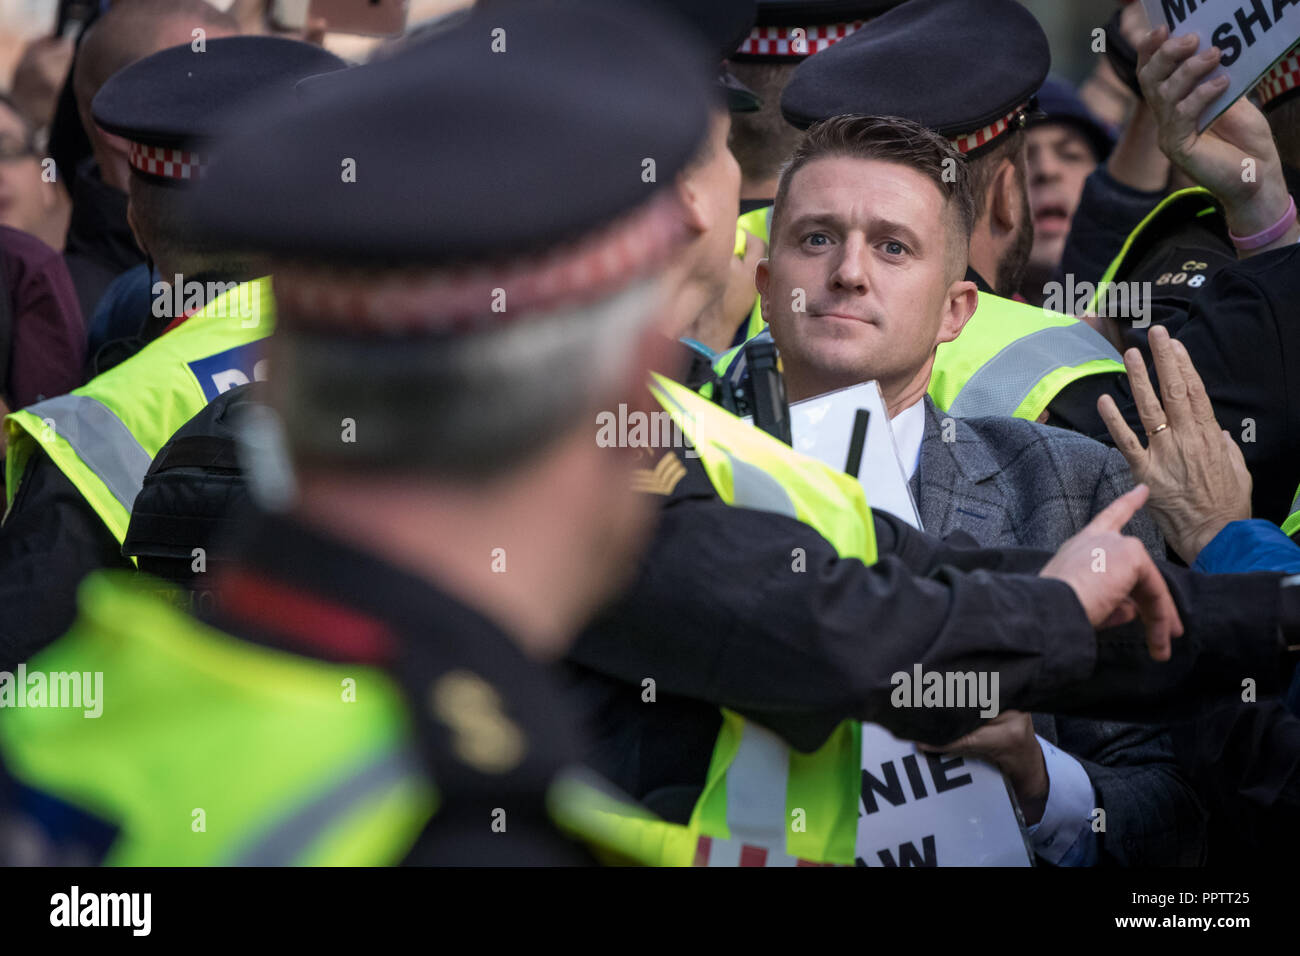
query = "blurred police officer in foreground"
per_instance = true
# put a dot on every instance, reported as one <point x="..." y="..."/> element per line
<point x="75" y="462"/>
<point x="466" y="249"/>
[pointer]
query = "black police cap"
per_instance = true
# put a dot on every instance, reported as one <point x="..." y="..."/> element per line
<point x="1059" y="103"/>
<point x="169" y="103"/>
<point x="722" y="24"/>
<point x="526" y="129"/>
<point x="789" y="30"/>
<point x="1281" y="83"/>
<point x="964" y="68"/>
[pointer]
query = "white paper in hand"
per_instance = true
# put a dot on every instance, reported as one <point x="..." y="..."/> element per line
<point x="822" y="428"/>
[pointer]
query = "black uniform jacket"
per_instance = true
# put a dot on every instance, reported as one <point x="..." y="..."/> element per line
<point x="489" y="726"/>
<point x="718" y="616"/>
<point x="50" y="540"/>
<point x="299" y="590"/>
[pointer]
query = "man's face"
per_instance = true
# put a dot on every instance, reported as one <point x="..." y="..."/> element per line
<point x="1060" y="159"/>
<point x="865" y="245"/>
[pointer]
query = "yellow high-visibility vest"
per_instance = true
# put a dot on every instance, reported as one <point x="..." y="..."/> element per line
<point x="104" y="435"/>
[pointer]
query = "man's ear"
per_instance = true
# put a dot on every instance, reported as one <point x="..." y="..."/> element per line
<point x="762" y="279"/>
<point x="959" y="306"/>
<point x="130" y="221"/>
<point x="695" y="209"/>
<point x="1004" y="204"/>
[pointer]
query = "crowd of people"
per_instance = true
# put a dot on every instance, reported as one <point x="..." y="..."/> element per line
<point x="316" y="549"/>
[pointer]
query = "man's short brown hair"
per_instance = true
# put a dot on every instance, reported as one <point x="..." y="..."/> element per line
<point x="890" y="139"/>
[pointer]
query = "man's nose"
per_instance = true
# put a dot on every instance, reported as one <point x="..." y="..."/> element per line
<point x="1044" y="170"/>
<point x="851" y="270"/>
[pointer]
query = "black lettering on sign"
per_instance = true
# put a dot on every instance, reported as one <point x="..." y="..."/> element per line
<point x="908" y="855"/>
<point x="1176" y="11"/>
<point x="1258" y="18"/>
<point x="1227" y="42"/>
<point x="891" y="788"/>
<point x="939" y="769"/>
<point x="914" y="776"/>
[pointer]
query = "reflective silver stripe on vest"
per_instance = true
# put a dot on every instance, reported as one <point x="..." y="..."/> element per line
<point x="103" y="443"/>
<point x="756" y="785"/>
<point x="756" y="489"/>
<point x="1004" y="381"/>
<point x="752" y="486"/>
<point x="290" y="838"/>
<point x="757" y="780"/>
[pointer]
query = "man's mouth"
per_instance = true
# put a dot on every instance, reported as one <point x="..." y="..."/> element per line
<point x="1051" y="219"/>
<point x="842" y="316"/>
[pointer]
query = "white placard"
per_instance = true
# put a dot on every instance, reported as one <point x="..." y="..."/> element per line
<point x="1253" y="35"/>
<point x="922" y="809"/>
<point x="822" y="427"/>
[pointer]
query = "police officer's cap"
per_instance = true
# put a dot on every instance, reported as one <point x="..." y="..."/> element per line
<point x="1059" y="103"/>
<point x="967" y="69"/>
<point x="169" y="104"/>
<point x="723" y="25"/>
<point x="1281" y="83"/>
<point x="526" y="148"/>
<point x="786" y="31"/>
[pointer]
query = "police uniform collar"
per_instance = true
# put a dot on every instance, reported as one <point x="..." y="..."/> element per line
<point x="973" y="276"/>
<point x="338" y="602"/>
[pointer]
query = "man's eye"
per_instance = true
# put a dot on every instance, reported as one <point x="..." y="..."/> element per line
<point x="816" y="239"/>
<point x="894" y="248"/>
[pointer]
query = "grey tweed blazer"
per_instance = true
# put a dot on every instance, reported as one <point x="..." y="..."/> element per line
<point x="1006" y="482"/>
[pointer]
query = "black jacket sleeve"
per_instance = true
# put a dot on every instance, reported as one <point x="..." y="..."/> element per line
<point x="757" y="612"/>
<point x="1108" y="211"/>
<point x="50" y="540"/>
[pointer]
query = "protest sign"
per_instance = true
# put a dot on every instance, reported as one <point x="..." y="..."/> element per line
<point x="1252" y="34"/>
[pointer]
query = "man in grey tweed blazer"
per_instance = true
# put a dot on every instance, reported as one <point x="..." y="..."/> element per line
<point x="1005" y="482"/>
<point x="865" y="278"/>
